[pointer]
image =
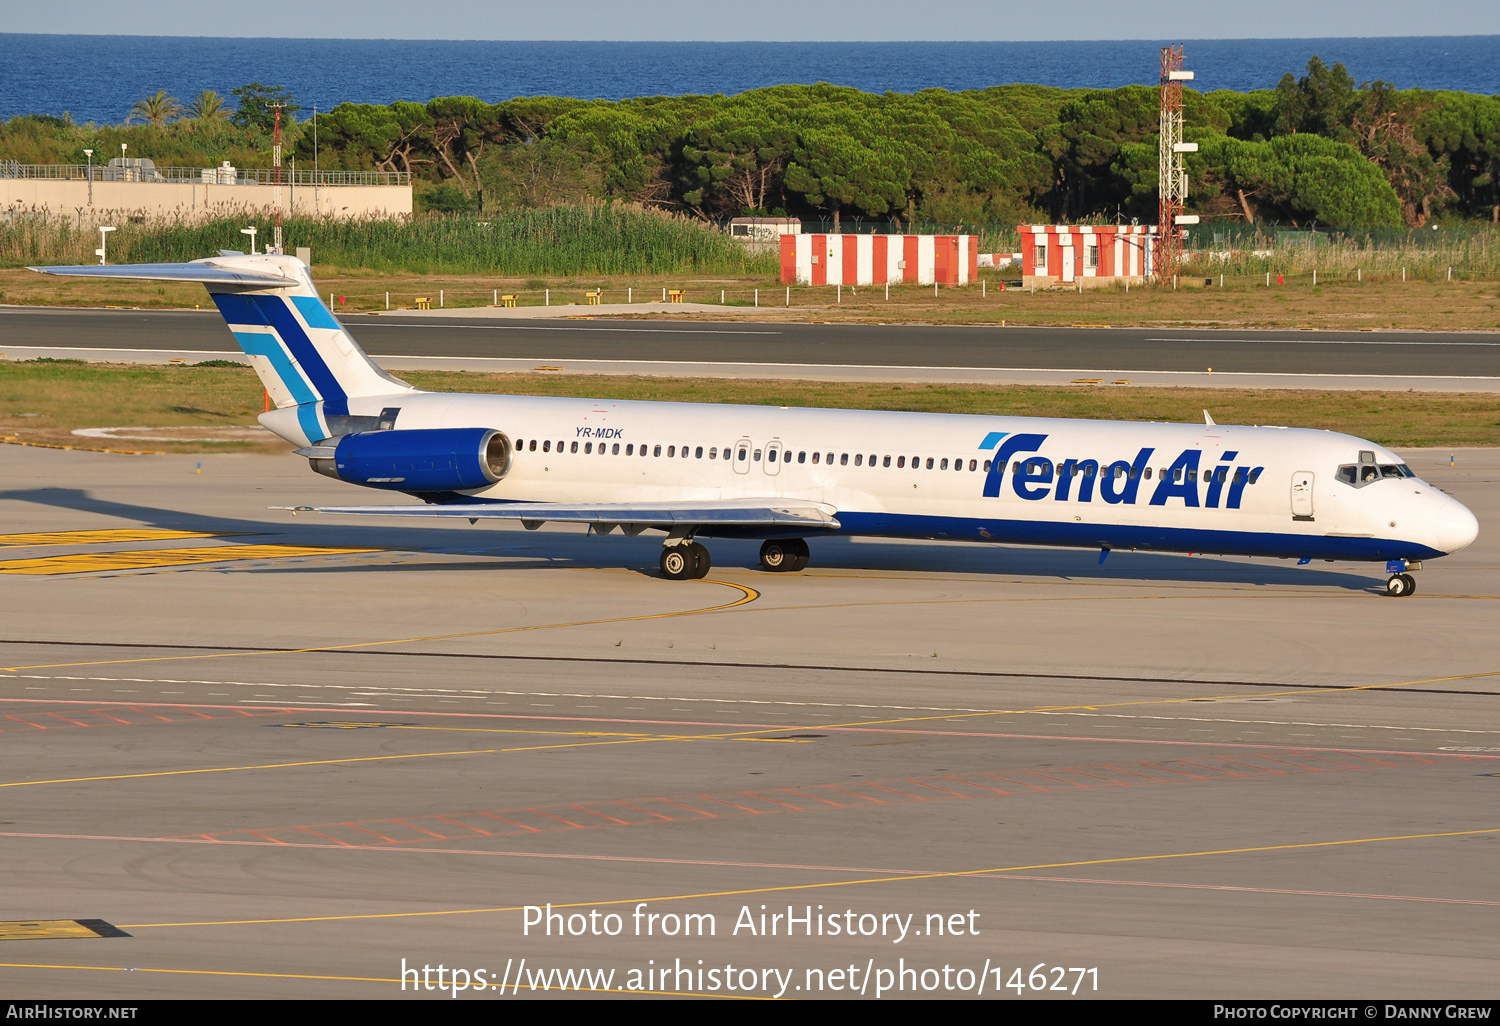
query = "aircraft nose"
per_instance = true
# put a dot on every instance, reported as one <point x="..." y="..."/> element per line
<point x="1457" y="527"/>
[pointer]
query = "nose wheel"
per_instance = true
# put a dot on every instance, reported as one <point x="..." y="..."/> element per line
<point x="784" y="555"/>
<point x="1401" y="585"/>
<point x="688" y="562"/>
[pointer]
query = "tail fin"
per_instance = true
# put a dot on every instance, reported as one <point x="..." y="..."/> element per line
<point x="305" y="358"/>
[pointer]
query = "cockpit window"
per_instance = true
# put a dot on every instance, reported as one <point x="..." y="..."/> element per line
<point x="1360" y="474"/>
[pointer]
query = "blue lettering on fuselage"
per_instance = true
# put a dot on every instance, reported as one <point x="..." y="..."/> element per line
<point x="599" y="432"/>
<point x="1010" y="446"/>
<point x="1119" y="482"/>
<point x="1126" y="475"/>
<point x="1180" y="481"/>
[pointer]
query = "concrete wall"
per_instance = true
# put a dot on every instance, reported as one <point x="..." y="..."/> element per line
<point x="193" y="201"/>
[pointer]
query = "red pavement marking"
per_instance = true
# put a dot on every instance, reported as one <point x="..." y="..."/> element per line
<point x="512" y="822"/>
<point x="647" y="812"/>
<point x="762" y="797"/>
<point x="919" y="783"/>
<point x="854" y="794"/>
<point x="335" y="840"/>
<point x="1219" y="769"/>
<point x="115" y="718"/>
<point x="689" y="808"/>
<point x="601" y="815"/>
<point x="429" y="833"/>
<point x="549" y="815"/>
<point x="356" y="826"/>
<point x="732" y="805"/>
<point x="1135" y="773"/>
<point x="465" y="826"/>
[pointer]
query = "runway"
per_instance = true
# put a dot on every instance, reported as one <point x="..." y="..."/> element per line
<point x="290" y="757"/>
<point x="959" y="352"/>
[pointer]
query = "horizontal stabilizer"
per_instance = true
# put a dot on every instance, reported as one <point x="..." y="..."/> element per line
<point x="735" y="513"/>
<point x="200" y="271"/>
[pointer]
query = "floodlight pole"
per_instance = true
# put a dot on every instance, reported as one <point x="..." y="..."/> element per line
<point x="90" y="155"/>
<point x="275" y="246"/>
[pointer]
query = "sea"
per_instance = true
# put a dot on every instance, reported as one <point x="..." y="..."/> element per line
<point x="98" y="78"/>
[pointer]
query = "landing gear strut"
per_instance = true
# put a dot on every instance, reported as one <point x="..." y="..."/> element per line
<point x="784" y="555"/>
<point x="686" y="562"/>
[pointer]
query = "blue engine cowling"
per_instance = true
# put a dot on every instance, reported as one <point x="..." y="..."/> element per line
<point x="420" y="460"/>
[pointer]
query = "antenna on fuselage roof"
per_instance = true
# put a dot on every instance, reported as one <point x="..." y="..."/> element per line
<point x="1209" y="421"/>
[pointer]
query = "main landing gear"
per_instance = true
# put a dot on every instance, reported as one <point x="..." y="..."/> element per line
<point x="1401" y="583"/>
<point x="784" y="555"/>
<point x="685" y="562"/>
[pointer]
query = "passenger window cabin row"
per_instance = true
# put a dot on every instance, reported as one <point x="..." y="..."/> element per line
<point x="1075" y="468"/>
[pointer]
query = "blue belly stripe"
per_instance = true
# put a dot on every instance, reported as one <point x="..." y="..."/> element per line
<point x="1164" y="539"/>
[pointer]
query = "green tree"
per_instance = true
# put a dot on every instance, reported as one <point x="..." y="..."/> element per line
<point x="628" y="141"/>
<point x="158" y="109"/>
<point x="733" y="161"/>
<point x="838" y="163"/>
<point x="255" y="106"/>
<point x="1305" y="178"/>
<point x="207" y="107"/>
<point x="1091" y="131"/>
<point x="1319" y="102"/>
<point x="1464" y="131"/>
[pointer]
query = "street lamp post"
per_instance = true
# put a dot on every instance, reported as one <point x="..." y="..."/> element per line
<point x="124" y="176"/>
<point x="90" y="155"/>
<point x="104" y="230"/>
<point x="250" y="232"/>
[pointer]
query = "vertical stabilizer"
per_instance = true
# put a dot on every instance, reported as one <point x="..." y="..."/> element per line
<point x="306" y="359"/>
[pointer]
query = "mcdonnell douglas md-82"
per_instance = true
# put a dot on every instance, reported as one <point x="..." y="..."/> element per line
<point x="782" y="475"/>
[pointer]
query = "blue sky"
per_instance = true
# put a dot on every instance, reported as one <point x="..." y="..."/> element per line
<point x="879" y="20"/>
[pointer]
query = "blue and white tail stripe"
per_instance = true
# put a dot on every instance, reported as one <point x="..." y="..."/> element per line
<point x="269" y="326"/>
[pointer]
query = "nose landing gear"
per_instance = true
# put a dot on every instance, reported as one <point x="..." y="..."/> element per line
<point x="1401" y="583"/>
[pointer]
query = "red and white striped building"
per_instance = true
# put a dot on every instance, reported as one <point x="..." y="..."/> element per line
<point x="1059" y="254"/>
<point x="879" y="259"/>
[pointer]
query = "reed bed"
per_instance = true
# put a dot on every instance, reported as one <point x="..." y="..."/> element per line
<point x="585" y="240"/>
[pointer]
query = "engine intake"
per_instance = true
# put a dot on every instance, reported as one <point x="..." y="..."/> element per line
<point x="418" y="460"/>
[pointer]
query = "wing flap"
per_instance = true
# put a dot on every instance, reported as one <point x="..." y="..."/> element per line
<point x="777" y="513"/>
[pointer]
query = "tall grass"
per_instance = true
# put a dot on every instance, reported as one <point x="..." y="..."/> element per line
<point x="1472" y="252"/>
<point x="604" y="240"/>
<point x="623" y="240"/>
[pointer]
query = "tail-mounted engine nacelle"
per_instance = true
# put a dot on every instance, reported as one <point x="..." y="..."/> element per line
<point x="418" y="460"/>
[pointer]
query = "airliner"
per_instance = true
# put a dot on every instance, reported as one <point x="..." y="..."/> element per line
<point x="781" y="475"/>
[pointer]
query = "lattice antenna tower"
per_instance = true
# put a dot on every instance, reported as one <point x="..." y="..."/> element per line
<point x="1172" y="175"/>
<point x="276" y="175"/>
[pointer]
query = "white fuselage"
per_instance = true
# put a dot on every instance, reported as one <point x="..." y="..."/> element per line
<point x="1183" y="487"/>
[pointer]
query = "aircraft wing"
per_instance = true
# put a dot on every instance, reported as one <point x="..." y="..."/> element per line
<point x="633" y="517"/>
<point x="201" y="271"/>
